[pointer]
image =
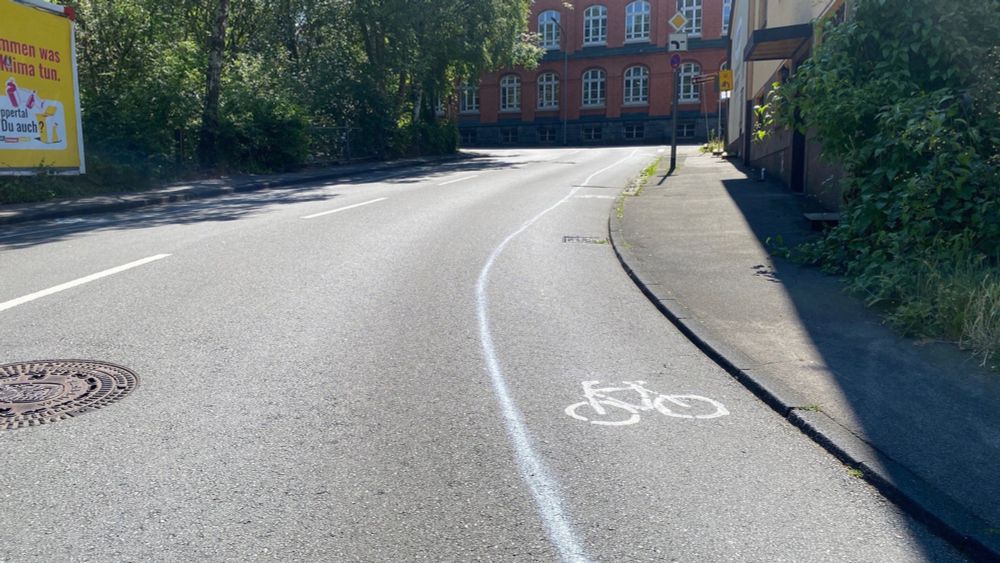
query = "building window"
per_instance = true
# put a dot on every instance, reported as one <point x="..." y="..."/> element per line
<point x="468" y="100"/>
<point x="548" y="29"/>
<point x="595" y="25"/>
<point x="685" y="130"/>
<point x="548" y="91"/>
<point x="635" y="131"/>
<point x="546" y="134"/>
<point x="592" y="133"/>
<point x="468" y="136"/>
<point x="692" y="11"/>
<point x="727" y="10"/>
<point x="637" y="21"/>
<point x="594" y="90"/>
<point x="510" y="93"/>
<point x="689" y="90"/>
<point x="508" y="135"/>
<point x="636" y="85"/>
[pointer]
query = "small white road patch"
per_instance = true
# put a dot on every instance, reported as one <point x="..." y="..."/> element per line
<point x="462" y="179"/>
<point x="339" y="209"/>
<point x="599" y="407"/>
<point x="68" y="285"/>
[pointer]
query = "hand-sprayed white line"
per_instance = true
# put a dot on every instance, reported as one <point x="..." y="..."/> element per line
<point x="339" y="209"/>
<point x="62" y="287"/>
<point x="543" y="488"/>
<point x="462" y="179"/>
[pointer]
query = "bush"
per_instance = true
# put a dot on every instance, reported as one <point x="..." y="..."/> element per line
<point x="915" y="121"/>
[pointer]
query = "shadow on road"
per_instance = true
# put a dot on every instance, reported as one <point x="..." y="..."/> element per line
<point x="234" y="206"/>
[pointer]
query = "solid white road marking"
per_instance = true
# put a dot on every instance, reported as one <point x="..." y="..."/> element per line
<point x="462" y="179"/>
<point x="62" y="287"/>
<point x="338" y="210"/>
<point x="543" y="488"/>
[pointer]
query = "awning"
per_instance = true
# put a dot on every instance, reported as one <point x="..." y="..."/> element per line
<point x="777" y="43"/>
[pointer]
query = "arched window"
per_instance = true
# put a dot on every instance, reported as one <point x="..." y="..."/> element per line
<point x="594" y="89"/>
<point x="692" y="11"/>
<point x="510" y="93"/>
<point x="689" y="91"/>
<point x="636" y="85"/>
<point x="637" y="21"/>
<point x="468" y="98"/>
<point x="548" y="29"/>
<point x="548" y="91"/>
<point x="595" y="25"/>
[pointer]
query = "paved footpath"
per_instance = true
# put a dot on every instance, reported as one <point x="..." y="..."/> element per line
<point x="921" y="420"/>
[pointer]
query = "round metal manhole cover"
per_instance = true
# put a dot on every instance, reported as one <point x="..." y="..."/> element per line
<point x="33" y="393"/>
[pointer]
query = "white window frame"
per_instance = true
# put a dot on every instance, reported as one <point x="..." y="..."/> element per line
<point x="727" y="10"/>
<point x="510" y="93"/>
<point x="548" y="29"/>
<point x="595" y="25"/>
<point x="692" y="11"/>
<point x="636" y="82"/>
<point x="688" y="89"/>
<point x="548" y="91"/>
<point x="638" y="18"/>
<point x="468" y="99"/>
<point x="595" y="88"/>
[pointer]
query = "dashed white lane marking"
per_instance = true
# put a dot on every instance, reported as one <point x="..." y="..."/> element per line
<point x="68" y="285"/>
<point x="543" y="488"/>
<point x="462" y="179"/>
<point x="339" y="209"/>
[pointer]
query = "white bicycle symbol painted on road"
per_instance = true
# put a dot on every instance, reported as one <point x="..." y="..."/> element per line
<point x="602" y="408"/>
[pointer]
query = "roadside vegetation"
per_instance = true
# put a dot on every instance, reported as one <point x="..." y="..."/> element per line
<point x="907" y="96"/>
<point x="185" y="88"/>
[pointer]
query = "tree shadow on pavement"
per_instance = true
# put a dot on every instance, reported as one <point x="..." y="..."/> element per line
<point x="229" y="207"/>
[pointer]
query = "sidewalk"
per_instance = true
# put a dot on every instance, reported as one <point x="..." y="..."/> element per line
<point x="920" y="420"/>
<point x="20" y="213"/>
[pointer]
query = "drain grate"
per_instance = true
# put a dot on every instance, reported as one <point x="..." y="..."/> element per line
<point x="33" y="393"/>
<point x="585" y="240"/>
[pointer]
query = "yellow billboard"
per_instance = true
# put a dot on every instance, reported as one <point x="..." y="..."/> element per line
<point x="40" y="102"/>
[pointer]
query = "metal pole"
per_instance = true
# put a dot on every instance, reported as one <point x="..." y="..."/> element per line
<point x="565" y="89"/>
<point x="673" y="123"/>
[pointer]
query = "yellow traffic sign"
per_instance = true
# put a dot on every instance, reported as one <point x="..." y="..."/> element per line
<point x="678" y="21"/>
<point x="725" y="80"/>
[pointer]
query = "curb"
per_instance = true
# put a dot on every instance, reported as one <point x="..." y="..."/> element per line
<point x="940" y="513"/>
<point x="123" y="202"/>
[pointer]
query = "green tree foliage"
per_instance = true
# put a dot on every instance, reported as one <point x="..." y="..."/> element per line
<point x="296" y="78"/>
<point x="905" y="94"/>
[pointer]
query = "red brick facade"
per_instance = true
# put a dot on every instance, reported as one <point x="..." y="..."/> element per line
<point x="614" y="121"/>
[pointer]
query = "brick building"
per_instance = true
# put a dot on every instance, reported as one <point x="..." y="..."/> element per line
<point x="605" y="77"/>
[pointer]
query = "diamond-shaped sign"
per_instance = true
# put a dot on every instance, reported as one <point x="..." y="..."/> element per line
<point x="678" y="21"/>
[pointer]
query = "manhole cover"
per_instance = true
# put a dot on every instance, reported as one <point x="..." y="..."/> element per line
<point x="33" y="393"/>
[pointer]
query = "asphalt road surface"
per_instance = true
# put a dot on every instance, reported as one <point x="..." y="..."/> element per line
<point x="401" y="366"/>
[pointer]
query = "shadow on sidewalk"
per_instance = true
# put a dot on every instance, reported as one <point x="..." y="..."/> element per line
<point x="924" y="405"/>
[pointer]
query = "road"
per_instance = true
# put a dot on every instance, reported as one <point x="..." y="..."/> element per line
<point x="380" y="369"/>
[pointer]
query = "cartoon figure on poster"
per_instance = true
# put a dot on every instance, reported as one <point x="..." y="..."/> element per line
<point x="29" y="122"/>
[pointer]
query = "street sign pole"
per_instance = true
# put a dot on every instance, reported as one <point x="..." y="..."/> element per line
<point x="673" y="123"/>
